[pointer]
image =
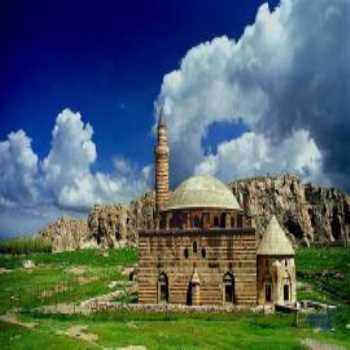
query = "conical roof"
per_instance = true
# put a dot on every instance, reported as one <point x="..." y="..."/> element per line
<point x="275" y="241"/>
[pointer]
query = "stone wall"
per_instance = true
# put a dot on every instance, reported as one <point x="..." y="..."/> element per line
<point x="276" y="271"/>
<point x="167" y="308"/>
<point x="225" y="251"/>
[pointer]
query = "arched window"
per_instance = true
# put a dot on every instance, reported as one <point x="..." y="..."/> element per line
<point x="286" y="292"/>
<point x="206" y="219"/>
<point x="186" y="253"/>
<point x="216" y="221"/>
<point x="223" y="220"/>
<point x="173" y="222"/>
<point x="196" y="222"/>
<point x="204" y="253"/>
<point x="189" y="294"/>
<point x="240" y="220"/>
<point x="229" y="289"/>
<point x="163" y="288"/>
<point x="194" y="247"/>
<point x="268" y="293"/>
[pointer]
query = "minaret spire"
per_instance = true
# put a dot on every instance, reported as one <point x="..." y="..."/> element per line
<point x="161" y="163"/>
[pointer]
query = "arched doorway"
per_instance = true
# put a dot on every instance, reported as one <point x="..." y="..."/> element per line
<point x="189" y="294"/>
<point x="163" y="288"/>
<point x="229" y="289"/>
<point x="193" y="291"/>
<point x="286" y="293"/>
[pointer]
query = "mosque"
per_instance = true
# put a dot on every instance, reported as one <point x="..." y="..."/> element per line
<point x="204" y="249"/>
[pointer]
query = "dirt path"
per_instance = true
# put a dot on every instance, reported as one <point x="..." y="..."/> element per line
<point x="11" y="317"/>
<point x="133" y="347"/>
<point x="313" y="344"/>
<point x="85" y="307"/>
<point x="79" y="332"/>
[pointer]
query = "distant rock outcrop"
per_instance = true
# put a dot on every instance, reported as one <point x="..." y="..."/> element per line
<point x="107" y="226"/>
<point x="116" y="225"/>
<point x="309" y="213"/>
<point x="66" y="234"/>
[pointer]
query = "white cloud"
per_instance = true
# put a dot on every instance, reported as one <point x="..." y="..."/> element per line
<point x="64" y="182"/>
<point x="287" y="72"/>
<point x="67" y="169"/>
<point x="254" y="154"/>
<point x="18" y="169"/>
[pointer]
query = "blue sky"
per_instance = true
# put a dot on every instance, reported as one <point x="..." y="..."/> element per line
<point x="105" y="59"/>
<point x="248" y="88"/>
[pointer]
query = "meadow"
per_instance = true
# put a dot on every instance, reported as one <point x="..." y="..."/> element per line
<point x="72" y="277"/>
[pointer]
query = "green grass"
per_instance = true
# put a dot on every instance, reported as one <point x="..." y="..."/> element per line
<point x="52" y="281"/>
<point x="18" y="337"/>
<point x="184" y="331"/>
<point x="87" y="257"/>
<point x="24" y="246"/>
<point x="327" y="269"/>
<point x="161" y="330"/>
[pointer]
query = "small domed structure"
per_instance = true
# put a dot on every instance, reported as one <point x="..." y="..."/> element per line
<point x="202" y="192"/>
<point x="274" y="241"/>
<point x="276" y="269"/>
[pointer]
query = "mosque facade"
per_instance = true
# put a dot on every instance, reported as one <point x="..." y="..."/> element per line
<point x="204" y="249"/>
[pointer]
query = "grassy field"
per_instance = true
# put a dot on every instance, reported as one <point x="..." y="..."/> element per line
<point x="72" y="277"/>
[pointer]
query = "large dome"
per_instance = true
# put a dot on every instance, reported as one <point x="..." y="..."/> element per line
<point x="202" y="192"/>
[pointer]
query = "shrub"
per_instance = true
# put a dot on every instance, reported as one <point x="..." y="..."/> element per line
<point x="24" y="246"/>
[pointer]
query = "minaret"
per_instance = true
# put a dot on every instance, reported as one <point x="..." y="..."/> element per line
<point x="161" y="164"/>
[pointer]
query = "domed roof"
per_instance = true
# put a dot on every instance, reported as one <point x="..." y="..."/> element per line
<point x="275" y="241"/>
<point x="202" y="192"/>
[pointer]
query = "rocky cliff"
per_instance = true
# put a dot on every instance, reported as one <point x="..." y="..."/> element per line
<point x="116" y="225"/>
<point x="309" y="213"/>
<point x="107" y="226"/>
<point x="67" y="234"/>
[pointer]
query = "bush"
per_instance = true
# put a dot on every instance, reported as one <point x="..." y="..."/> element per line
<point x="24" y="246"/>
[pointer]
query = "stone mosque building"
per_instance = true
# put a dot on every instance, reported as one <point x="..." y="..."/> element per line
<point x="204" y="248"/>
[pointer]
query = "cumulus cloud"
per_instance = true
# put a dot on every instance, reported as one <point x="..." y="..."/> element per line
<point x="254" y="154"/>
<point x="18" y="169"/>
<point x="287" y="73"/>
<point x="63" y="182"/>
<point x="67" y="169"/>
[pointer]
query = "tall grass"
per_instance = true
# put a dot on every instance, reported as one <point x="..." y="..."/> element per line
<point x="17" y="246"/>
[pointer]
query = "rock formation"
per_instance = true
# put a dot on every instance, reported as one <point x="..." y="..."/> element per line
<point x="116" y="225"/>
<point x="309" y="213"/>
<point x="107" y="226"/>
<point x="66" y="234"/>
